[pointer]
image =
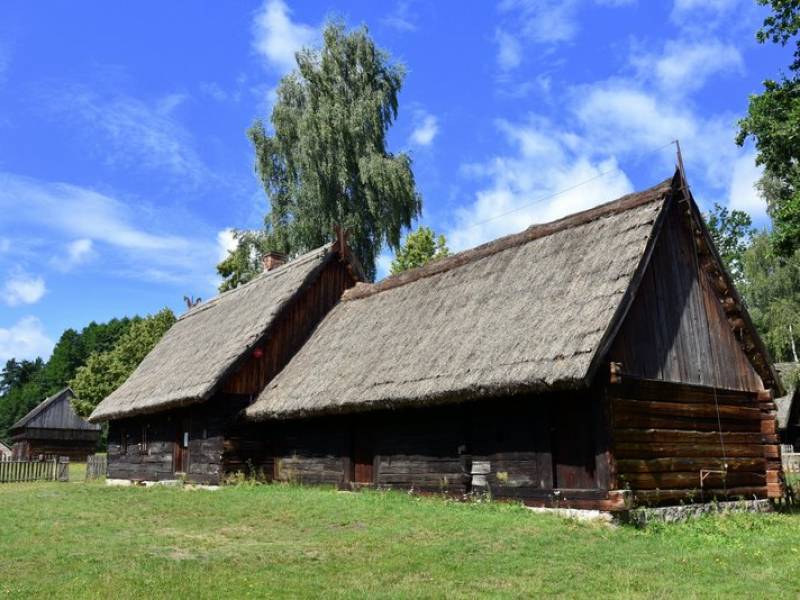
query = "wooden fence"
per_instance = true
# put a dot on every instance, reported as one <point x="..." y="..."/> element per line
<point x="96" y="466"/>
<point x="47" y="469"/>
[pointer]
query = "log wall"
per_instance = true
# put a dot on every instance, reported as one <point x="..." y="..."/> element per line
<point x="673" y="442"/>
<point x="149" y="454"/>
<point x="543" y="449"/>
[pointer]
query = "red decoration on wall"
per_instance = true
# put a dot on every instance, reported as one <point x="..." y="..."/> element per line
<point x="258" y="353"/>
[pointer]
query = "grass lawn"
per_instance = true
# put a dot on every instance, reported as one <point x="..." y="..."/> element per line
<point x="77" y="540"/>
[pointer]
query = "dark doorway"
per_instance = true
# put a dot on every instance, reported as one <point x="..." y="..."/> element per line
<point x="572" y="442"/>
<point x="363" y="457"/>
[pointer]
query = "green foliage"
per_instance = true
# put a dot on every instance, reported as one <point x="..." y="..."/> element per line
<point x="325" y="163"/>
<point x="782" y="25"/>
<point x="731" y="232"/>
<point x="106" y="371"/>
<point x="420" y="247"/>
<point x="244" y="263"/>
<point x="771" y="288"/>
<point x="773" y="121"/>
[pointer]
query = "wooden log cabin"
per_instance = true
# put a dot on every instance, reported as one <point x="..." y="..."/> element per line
<point x="53" y="428"/>
<point x="603" y="360"/>
<point x="176" y="417"/>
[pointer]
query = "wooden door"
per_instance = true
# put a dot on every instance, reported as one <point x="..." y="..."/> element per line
<point x="363" y="458"/>
<point x="182" y="446"/>
<point x="572" y="443"/>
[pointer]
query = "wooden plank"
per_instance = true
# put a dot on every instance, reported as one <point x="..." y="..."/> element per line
<point x="658" y="465"/>
<point x="666" y="496"/>
<point x="683" y="409"/>
<point x="691" y="437"/>
<point x="669" y="391"/>
<point x="663" y="450"/>
<point x="691" y="479"/>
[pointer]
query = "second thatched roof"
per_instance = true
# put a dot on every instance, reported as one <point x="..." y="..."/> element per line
<point x="526" y="312"/>
<point x="206" y="344"/>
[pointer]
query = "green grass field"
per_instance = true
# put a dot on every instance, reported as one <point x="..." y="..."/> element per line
<point x="77" y="540"/>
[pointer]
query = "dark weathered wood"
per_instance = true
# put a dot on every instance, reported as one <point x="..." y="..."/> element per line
<point x="691" y="437"/>
<point x="672" y="464"/>
<point x="683" y="409"/>
<point x="297" y="322"/>
<point x="692" y="479"/>
<point x="676" y="328"/>
<point x="669" y="496"/>
<point x="662" y="450"/>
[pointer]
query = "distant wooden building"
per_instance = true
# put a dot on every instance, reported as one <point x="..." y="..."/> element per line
<point x="178" y="413"/>
<point x="598" y="361"/>
<point x="789" y="407"/>
<point x="54" y="428"/>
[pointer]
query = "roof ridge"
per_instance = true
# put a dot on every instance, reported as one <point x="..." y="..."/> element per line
<point x="299" y="260"/>
<point x="36" y="410"/>
<point x="534" y="232"/>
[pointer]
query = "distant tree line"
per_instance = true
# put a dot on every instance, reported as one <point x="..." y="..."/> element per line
<point x="94" y="361"/>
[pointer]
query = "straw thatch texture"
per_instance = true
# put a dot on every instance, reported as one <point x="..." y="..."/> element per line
<point x="526" y="312"/>
<point x="206" y="342"/>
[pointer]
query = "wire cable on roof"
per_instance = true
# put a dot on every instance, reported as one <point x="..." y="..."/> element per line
<point x="565" y="190"/>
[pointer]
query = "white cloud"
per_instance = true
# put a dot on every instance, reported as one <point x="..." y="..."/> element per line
<point x="509" y="51"/>
<point x="277" y="38"/>
<point x="22" y="288"/>
<point x="682" y="7"/>
<point x="400" y="18"/>
<point x="134" y="133"/>
<point x="684" y="66"/>
<point x="743" y="195"/>
<point x="137" y="248"/>
<point x="534" y="184"/>
<point x="544" y="21"/>
<point x="26" y="339"/>
<point x="75" y="253"/>
<point x="226" y="243"/>
<point x="425" y="130"/>
<point x="383" y="264"/>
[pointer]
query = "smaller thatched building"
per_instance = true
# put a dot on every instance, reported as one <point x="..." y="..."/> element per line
<point x="53" y="428"/>
<point x="597" y="361"/>
<point x="177" y="414"/>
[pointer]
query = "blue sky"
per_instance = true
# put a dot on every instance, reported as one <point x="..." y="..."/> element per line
<point x="124" y="162"/>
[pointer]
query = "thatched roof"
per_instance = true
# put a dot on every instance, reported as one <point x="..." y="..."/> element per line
<point x="784" y="403"/>
<point x="207" y="342"/>
<point x="44" y="416"/>
<point x="524" y="312"/>
<point x="533" y="311"/>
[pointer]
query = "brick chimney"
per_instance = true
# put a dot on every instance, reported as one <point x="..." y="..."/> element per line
<point x="272" y="260"/>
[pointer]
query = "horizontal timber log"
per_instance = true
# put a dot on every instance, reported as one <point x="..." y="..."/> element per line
<point x="663" y="391"/>
<point x="682" y="409"/>
<point x="664" y="496"/>
<point x="663" y="450"/>
<point x="666" y="465"/>
<point x="692" y="480"/>
<point x="691" y="437"/>
<point x="643" y="421"/>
